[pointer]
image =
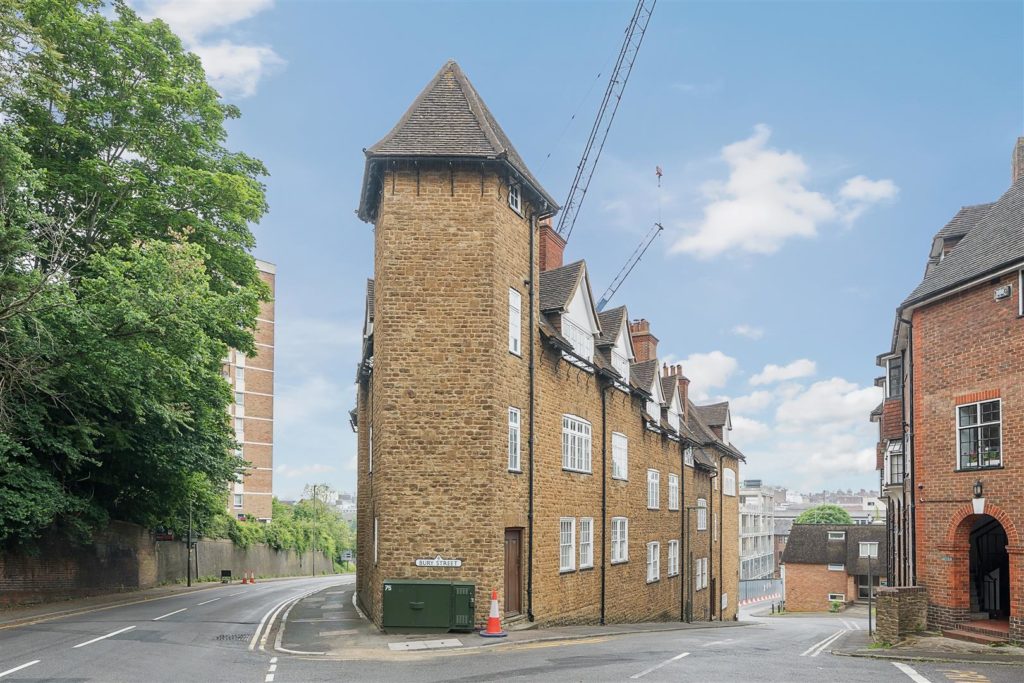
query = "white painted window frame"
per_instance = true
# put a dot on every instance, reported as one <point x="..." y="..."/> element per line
<point x="688" y="456"/>
<point x="870" y="548"/>
<point x="515" y="198"/>
<point x="673" y="491"/>
<point x="837" y="535"/>
<point x="653" y="562"/>
<point x="702" y="514"/>
<point x="728" y="481"/>
<point x="576" y="444"/>
<point x="673" y="558"/>
<point x="581" y="339"/>
<point x="586" y="542"/>
<point x="836" y="567"/>
<point x="620" y="540"/>
<point x="620" y="456"/>
<point x="567" y="550"/>
<point x="515" y="422"/>
<point x="653" y="489"/>
<point x="515" y="322"/>
<point x="978" y="425"/>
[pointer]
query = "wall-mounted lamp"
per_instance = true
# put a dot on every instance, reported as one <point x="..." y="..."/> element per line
<point x="978" y="491"/>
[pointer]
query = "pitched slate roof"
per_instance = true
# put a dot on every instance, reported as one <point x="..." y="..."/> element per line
<point x="701" y="457"/>
<point x="611" y="323"/>
<point x="965" y="219"/>
<point x="809" y="544"/>
<point x="644" y="373"/>
<point x="449" y="120"/>
<point x="697" y="425"/>
<point x="668" y="386"/>
<point x="558" y="285"/>
<point x="716" y="414"/>
<point x="995" y="241"/>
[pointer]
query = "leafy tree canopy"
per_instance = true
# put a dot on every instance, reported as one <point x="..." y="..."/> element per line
<point x="824" y="514"/>
<point x="125" y="272"/>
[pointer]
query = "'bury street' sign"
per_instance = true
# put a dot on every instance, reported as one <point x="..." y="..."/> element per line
<point x="437" y="562"/>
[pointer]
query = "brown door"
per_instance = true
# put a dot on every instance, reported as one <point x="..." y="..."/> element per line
<point x="513" y="571"/>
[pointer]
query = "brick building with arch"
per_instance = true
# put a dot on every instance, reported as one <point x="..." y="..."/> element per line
<point x="951" y="425"/>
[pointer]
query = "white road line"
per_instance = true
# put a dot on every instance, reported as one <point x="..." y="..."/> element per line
<point x="208" y="602"/>
<point x="19" y="668"/>
<point x="717" y="642"/>
<point x="273" y="668"/>
<point x="658" y="666"/>
<point x="914" y="676"/>
<point x="822" y="643"/>
<point x="828" y="643"/>
<point x="273" y="660"/>
<point x="170" y="613"/>
<point x="230" y="595"/>
<point x="94" y="640"/>
<point x="269" y="678"/>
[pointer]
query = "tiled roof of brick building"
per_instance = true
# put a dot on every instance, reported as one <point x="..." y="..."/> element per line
<point x="644" y="372"/>
<point x="611" y="323"/>
<point x="995" y="242"/>
<point x="669" y="385"/>
<point x="558" y="285"/>
<point x="809" y="544"/>
<point x="449" y="120"/>
<point x="716" y="414"/>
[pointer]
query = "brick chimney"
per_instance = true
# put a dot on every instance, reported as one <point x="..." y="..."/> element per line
<point x="645" y="344"/>
<point x="1018" y="161"/>
<point x="684" y="386"/>
<point x="552" y="246"/>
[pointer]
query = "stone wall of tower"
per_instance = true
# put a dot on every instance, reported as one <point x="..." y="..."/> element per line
<point x="447" y="249"/>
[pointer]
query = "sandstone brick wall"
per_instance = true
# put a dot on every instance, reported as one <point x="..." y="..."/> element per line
<point x="729" y="519"/>
<point x="808" y="587"/>
<point x="899" y="612"/>
<point x="447" y="250"/>
<point x="967" y="347"/>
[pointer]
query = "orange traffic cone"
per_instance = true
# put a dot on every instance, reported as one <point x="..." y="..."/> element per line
<point x="493" y="629"/>
<point x="252" y="577"/>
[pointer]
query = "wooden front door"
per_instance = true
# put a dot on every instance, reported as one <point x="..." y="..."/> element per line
<point x="513" y="571"/>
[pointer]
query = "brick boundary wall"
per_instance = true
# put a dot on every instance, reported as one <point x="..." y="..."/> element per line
<point x="125" y="557"/>
<point x="900" y="611"/>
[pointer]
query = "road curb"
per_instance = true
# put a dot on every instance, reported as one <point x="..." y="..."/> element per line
<point x="925" y="658"/>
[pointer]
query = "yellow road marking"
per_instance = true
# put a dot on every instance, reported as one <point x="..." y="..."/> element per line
<point x="957" y="675"/>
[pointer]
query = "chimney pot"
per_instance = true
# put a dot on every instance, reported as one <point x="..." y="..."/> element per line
<point x="645" y="344"/>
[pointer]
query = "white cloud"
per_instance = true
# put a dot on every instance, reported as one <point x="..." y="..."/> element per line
<point x="777" y="373"/>
<point x="747" y="430"/>
<point x="765" y="202"/>
<point x="827" y="405"/>
<point x="748" y="331"/>
<point x="231" y="67"/>
<point x="862" y="189"/>
<point x="752" y="403"/>
<point x="708" y="371"/>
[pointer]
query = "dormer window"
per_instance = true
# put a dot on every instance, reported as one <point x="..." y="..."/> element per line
<point x="515" y="199"/>
<point x="673" y="419"/>
<point x="620" y="364"/>
<point x="654" y="410"/>
<point x="582" y="341"/>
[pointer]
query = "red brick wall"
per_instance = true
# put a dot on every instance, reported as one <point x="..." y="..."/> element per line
<point x="808" y="586"/>
<point x="966" y="347"/>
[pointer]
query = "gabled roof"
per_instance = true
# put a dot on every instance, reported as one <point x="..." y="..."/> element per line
<point x="697" y="425"/>
<point x="701" y="457"/>
<point x="558" y="285"/>
<point x="716" y="414"/>
<point x="995" y="242"/>
<point x="644" y="372"/>
<point x="449" y="120"/>
<point x="611" y="324"/>
<point x="669" y="386"/>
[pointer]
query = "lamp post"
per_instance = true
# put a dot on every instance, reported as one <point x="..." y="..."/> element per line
<point x="188" y="543"/>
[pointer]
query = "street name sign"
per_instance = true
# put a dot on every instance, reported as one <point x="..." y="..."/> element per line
<point x="438" y="562"/>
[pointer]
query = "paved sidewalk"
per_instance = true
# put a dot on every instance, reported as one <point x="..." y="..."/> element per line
<point x="929" y="647"/>
<point x="328" y="624"/>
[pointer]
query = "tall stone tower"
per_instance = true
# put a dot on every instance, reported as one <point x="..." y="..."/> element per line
<point x="454" y="210"/>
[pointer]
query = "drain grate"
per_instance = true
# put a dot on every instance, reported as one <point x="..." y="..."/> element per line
<point x="232" y="636"/>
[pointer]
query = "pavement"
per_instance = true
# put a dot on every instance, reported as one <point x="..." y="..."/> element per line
<point x="932" y="647"/>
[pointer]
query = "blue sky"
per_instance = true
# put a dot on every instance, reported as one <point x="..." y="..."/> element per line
<point x="810" y="150"/>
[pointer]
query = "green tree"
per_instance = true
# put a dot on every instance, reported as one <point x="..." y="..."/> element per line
<point x="124" y="272"/>
<point x="824" y="514"/>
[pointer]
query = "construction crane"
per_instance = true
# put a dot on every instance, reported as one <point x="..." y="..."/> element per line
<point x="634" y="259"/>
<point x="605" y="115"/>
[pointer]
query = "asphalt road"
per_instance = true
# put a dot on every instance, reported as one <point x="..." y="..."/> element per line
<point x="206" y="636"/>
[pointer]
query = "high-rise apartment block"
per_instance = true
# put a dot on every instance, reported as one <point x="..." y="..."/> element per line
<point x="252" y="412"/>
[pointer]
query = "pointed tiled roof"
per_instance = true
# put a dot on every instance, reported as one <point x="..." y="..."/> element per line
<point x="965" y="219"/>
<point x="611" y="323"/>
<point x="716" y="414"/>
<point x="995" y="242"/>
<point x="669" y="384"/>
<point x="558" y="285"/>
<point x="449" y="120"/>
<point x="644" y="372"/>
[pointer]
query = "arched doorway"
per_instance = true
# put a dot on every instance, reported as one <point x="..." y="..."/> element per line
<point x="989" y="569"/>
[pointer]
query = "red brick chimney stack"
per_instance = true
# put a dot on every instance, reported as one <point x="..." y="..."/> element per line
<point x="552" y="246"/>
<point x="645" y="344"/>
<point x="1018" y="161"/>
<point x="684" y="385"/>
